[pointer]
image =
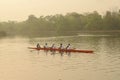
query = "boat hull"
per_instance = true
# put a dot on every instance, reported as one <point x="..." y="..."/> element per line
<point x="62" y="50"/>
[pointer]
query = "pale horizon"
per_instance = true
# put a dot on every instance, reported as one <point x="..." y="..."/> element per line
<point x="19" y="10"/>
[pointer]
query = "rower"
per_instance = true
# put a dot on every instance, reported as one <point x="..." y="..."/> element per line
<point x="53" y="46"/>
<point x="61" y="46"/>
<point x="46" y="46"/>
<point x="68" y="46"/>
<point x="38" y="45"/>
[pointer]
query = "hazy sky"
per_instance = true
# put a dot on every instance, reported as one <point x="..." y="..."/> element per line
<point x="19" y="10"/>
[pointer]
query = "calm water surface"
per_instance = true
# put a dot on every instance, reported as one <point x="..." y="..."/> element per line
<point x="17" y="62"/>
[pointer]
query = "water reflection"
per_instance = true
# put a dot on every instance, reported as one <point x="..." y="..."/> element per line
<point x="53" y="53"/>
<point x="104" y="64"/>
<point x="17" y="62"/>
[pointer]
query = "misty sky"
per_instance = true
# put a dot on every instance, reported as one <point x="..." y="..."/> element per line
<point x="19" y="10"/>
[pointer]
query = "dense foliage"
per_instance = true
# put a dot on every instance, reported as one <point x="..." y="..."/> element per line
<point x="59" y="24"/>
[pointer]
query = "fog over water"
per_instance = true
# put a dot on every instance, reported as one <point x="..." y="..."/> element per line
<point x="18" y="10"/>
<point x="17" y="62"/>
<point x="85" y="24"/>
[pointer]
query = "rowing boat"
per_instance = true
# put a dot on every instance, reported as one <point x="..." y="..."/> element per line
<point x="62" y="50"/>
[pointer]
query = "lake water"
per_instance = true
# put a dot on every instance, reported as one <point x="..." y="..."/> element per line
<point x="17" y="62"/>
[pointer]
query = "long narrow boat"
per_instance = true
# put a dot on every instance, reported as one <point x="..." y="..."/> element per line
<point x="62" y="50"/>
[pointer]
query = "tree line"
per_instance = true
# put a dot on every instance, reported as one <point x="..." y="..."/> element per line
<point x="69" y="24"/>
